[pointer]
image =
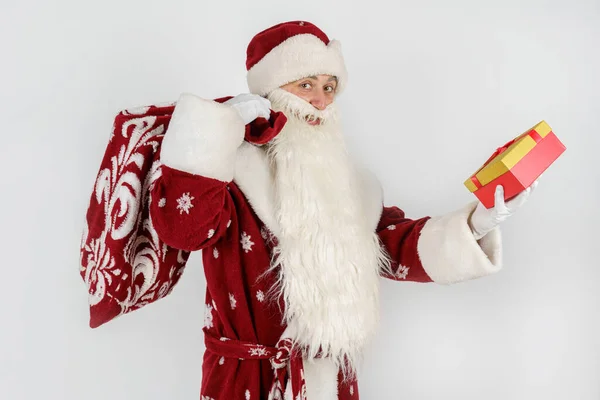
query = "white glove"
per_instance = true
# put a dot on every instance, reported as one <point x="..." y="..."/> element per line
<point x="484" y="220"/>
<point x="250" y="106"/>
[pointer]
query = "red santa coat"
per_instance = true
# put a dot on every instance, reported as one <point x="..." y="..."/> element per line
<point x="213" y="195"/>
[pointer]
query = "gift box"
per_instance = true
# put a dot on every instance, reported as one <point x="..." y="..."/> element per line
<point x="516" y="165"/>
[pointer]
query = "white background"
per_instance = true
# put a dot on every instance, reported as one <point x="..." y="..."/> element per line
<point x="434" y="89"/>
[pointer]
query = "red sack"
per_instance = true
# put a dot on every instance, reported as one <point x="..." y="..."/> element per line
<point x="124" y="264"/>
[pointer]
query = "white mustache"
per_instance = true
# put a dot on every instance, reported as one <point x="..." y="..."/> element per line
<point x="292" y="105"/>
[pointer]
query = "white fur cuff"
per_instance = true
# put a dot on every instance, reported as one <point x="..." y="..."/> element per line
<point x="202" y="138"/>
<point x="449" y="252"/>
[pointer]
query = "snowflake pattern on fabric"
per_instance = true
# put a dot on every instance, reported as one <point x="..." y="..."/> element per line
<point x="208" y="317"/>
<point x="162" y="202"/>
<point x="184" y="203"/>
<point x="260" y="296"/>
<point x="391" y="227"/>
<point x="257" y="351"/>
<point x="211" y="233"/>
<point x="215" y="253"/>
<point x="232" y="301"/>
<point x="221" y="360"/>
<point x="247" y="394"/>
<point x="246" y="242"/>
<point x="402" y="272"/>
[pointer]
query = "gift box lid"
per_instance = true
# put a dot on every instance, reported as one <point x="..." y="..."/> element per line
<point x="507" y="156"/>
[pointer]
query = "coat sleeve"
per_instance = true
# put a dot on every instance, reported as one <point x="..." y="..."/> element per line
<point x="191" y="206"/>
<point x="437" y="249"/>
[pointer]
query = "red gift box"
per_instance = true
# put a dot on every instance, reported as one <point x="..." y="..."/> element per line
<point x="516" y="165"/>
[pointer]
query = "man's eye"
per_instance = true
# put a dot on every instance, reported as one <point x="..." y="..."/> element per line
<point x="330" y="89"/>
<point x="305" y="85"/>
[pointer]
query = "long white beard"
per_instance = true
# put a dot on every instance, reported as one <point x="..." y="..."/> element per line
<point x="328" y="253"/>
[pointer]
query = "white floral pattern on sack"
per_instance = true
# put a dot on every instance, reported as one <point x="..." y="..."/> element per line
<point x="121" y="193"/>
<point x="136" y="111"/>
<point x="246" y="242"/>
<point x="391" y="227"/>
<point x="98" y="271"/>
<point x="215" y="253"/>
<point x="247" y="394"/>
<point x="163" y="289"/>
<point x="184" y="203"/>
<point x="211" y="233"/>
<point x="208" y="316"/>
<point x="402" y="272"/>
<point x="221" y="360"/>
<point x="112" y="132"/>
<point x="260" y="296"/>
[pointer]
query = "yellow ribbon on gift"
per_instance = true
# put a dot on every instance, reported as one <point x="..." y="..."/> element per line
<point x="507" y="157"/>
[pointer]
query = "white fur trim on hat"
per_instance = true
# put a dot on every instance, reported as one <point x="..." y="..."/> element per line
<point x="296" y="58"/>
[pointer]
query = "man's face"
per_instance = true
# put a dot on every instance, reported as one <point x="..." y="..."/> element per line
<point x="317" y="90"/>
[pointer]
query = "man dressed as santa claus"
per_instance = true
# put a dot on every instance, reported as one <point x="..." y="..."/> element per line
<point x="294" y="233"/>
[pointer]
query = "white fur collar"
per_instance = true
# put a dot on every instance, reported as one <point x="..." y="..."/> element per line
<point x="254" y="177"/>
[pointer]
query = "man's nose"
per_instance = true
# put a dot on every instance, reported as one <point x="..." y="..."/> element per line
<point x="319" y="101"/>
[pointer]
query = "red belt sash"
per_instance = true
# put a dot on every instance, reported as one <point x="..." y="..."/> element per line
<point x="286" y="363"/>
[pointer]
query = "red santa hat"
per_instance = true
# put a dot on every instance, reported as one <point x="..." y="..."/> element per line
<point x="290" y="51"/>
